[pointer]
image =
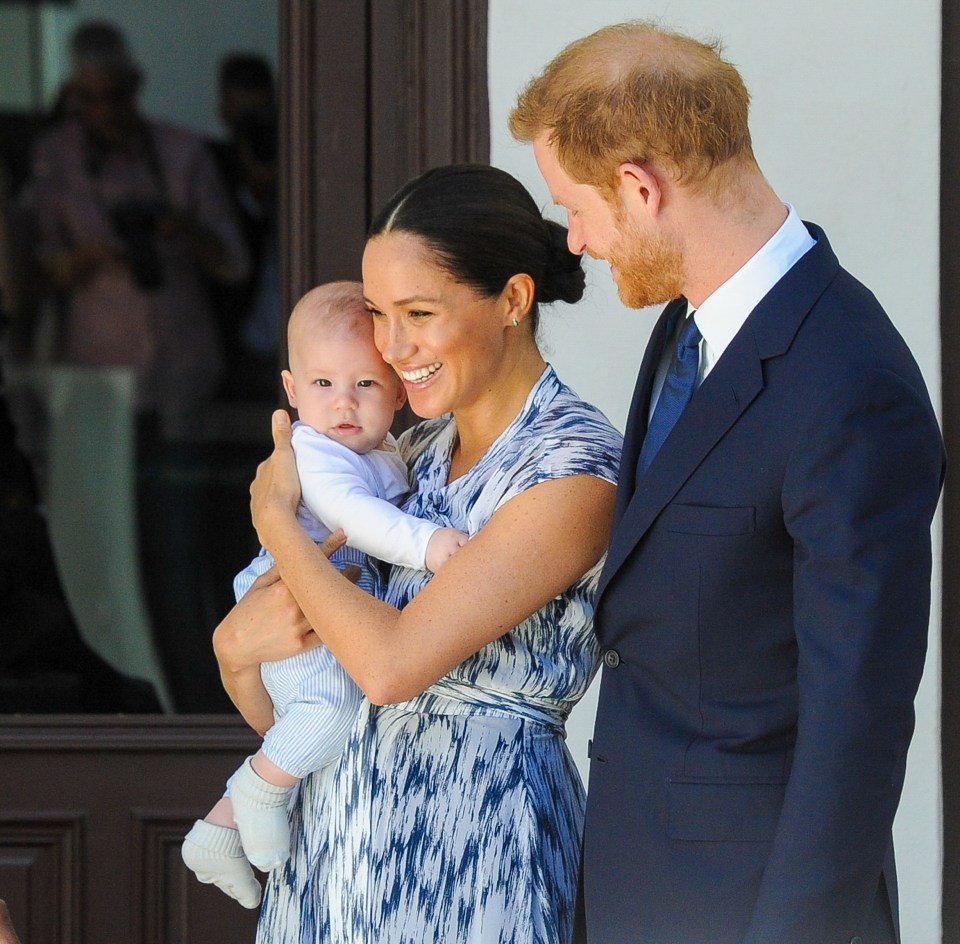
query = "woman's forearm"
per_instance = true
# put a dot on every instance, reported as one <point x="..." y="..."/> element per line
<point x="356" y="626"/>
<point x="266" y="625"/>
<point x="246" y="691"/>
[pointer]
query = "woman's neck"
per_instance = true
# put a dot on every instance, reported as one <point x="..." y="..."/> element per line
<point x="479" y="425"/>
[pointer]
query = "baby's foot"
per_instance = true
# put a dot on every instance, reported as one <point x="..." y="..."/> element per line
<point x="215" y="855"/>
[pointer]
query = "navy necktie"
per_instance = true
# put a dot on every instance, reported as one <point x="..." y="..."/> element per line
<point x="678" y="387"/>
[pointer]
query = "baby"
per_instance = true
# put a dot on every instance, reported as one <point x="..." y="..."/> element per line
<point x="350" y="476"/>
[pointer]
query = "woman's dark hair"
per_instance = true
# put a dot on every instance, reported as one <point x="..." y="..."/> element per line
<point x="484" y="227"/>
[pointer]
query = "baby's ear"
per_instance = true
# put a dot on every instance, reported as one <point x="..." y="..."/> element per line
<point x="290" y="388"/>
<point x="401" y="394"/>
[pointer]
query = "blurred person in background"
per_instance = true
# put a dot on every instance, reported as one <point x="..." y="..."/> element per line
<point x="249" y="311"/>
<point x="133" y="223"/>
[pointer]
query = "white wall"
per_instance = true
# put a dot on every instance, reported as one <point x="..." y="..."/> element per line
<point x="845" y="120"/>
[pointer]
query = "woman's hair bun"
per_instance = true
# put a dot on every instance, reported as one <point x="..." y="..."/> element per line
<point x="563" y="276"/>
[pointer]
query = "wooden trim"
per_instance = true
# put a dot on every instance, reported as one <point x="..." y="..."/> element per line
<point x="949" y="367"/>
<point x="125" y="733"/>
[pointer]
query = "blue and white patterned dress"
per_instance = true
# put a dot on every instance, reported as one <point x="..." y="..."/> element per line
<point x="456" y="816"/>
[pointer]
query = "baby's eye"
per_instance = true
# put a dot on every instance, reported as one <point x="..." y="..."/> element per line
<point x="322" y="382"/>
<point x="366" y="383"/>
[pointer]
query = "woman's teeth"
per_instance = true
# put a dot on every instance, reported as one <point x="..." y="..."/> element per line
<point x="421" y="373"/>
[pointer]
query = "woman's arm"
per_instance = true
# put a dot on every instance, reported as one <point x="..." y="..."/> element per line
<point x="532" y="549"/>
<point x="265" y="625"/>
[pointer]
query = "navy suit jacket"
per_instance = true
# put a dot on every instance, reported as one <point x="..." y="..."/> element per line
<point x="763" y="613"/>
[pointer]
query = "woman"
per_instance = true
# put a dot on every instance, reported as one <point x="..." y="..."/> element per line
<point x="455" y="812"/>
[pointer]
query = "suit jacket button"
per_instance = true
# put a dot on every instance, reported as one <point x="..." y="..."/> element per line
<point x="611" y="658"/>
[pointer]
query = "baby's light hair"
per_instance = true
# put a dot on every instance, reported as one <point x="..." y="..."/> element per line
<point x="334" y="309"/>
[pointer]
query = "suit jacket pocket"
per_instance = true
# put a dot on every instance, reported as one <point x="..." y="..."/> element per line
<point x="709" y="520"/>
<point x="724" y="810"/>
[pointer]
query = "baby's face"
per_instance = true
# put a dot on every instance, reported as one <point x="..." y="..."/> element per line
<point x="343" y="389"/>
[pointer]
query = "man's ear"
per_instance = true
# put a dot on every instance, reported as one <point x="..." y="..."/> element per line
<point x="640" y="188"/>
<point x="289" y="387"/>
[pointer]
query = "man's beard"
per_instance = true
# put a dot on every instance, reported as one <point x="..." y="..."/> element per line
<point x="649" y="268"/>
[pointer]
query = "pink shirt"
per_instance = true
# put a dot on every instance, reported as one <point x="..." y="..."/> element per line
<point x="168" y="334"/>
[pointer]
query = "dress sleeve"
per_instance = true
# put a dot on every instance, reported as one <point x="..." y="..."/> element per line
<point x="574" y="438"/>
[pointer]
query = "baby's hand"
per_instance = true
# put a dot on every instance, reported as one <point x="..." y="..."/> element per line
<point x="442" y="546"/>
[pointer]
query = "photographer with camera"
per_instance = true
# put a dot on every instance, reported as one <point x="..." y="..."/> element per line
<point x="132" y="218"/>
<point x="132" y="224"/>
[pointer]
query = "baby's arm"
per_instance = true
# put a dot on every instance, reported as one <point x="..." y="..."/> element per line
<point x="335" y="488"/>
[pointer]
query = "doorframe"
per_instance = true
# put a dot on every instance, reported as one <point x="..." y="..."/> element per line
<point x="950" y="393"/>
<point x="371" y="94"/>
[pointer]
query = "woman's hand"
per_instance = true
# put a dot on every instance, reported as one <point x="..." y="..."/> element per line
<point x="276" y="489"/>
<point x="7" y="933"/>
<point x="266" y="625"/>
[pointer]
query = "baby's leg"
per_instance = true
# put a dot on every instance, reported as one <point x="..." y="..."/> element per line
<point x="259" y="792"/>
<point x="214" y="853"/>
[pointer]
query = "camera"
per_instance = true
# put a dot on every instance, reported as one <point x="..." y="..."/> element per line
<point x="135" y="222"/>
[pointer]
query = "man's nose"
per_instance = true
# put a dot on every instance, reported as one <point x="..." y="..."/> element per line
<point x="575" y="241"/>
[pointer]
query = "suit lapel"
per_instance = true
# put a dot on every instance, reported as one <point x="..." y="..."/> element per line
<point x="735" y="381"/>
<point x="640" y="407"/>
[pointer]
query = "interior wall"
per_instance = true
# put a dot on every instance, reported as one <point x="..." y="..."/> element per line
<point x="845" y="119"/>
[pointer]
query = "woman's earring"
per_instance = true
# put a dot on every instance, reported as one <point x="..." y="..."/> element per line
<point x="516" y="323"/>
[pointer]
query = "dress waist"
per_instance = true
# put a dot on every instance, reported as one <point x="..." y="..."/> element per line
<point x="447" y="697"/>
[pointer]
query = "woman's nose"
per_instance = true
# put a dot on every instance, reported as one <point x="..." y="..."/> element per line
<point x="393" y="342"/>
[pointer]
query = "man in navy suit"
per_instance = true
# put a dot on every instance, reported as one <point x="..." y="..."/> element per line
<point x="764" y="605"/>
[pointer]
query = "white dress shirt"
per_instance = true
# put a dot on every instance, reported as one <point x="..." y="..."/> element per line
<point x="722" y="314"/>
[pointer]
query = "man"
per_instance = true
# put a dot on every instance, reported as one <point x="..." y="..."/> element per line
<point x="764" y="604"/>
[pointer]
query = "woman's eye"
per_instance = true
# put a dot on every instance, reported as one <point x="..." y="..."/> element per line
<point x="420" y="314"/>
<point x="375" y="312"/>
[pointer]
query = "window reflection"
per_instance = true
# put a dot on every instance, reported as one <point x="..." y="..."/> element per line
<point x="140" y="275"/>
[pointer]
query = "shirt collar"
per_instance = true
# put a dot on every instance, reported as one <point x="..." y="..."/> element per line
<point x="722" y="314"/>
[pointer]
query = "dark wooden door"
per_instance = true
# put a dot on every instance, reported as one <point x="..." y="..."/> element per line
<point x="92" y="814"/>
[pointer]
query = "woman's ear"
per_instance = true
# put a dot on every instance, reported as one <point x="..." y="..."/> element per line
<point x="289" y="387"/>
<point x="518" y="296"/>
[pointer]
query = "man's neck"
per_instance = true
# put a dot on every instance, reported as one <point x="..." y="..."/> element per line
<point x="720" y="239"/>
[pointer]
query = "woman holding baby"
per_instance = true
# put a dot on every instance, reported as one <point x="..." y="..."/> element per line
<point x="455" y="811"/>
